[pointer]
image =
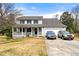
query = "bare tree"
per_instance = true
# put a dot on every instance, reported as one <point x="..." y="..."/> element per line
<point x="75" y="11"/>
<point x="7" y="15"/>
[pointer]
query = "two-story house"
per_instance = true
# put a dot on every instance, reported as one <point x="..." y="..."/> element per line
<point x="35" y="26"/>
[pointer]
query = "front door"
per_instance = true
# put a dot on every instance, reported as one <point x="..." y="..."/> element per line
<point x="28" y="31"/>
<point x="35" y="31"/>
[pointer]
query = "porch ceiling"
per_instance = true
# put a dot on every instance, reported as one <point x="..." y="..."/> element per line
<point x="29" y="25"/>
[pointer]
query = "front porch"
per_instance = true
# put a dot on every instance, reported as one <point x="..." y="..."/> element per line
<point x="19" y="32"/>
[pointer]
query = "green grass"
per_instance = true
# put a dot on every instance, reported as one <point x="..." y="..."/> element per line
<point x="23" y="47"/>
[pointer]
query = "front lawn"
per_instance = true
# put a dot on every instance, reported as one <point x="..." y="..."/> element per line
<point x="76" y="36"/>
<point x="23" y="47"/>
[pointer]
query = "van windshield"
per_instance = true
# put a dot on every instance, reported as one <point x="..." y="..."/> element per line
<point x="50" y="32"/>
<point x="65" y="32"/>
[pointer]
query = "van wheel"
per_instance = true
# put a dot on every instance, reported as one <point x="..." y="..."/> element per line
<point x="63" y="38"/>
<point x="58" y="36"/>
<point x="47" y="38"/>
<point x="54" y="38"/>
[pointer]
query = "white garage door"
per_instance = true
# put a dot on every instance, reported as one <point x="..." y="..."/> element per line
<point x="44" y="30"/>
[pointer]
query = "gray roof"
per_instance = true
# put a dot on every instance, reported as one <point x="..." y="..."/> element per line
<point x="30" y="17"/>
<point x="52" y="22"/>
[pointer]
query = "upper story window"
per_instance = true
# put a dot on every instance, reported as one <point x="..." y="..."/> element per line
<point x="35" y="21"/>
<point x="28" y="21"/>
<point x="22" y="21"/>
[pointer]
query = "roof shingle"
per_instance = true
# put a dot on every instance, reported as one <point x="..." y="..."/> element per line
<point x="30" y="17"/>
<point x="52" y="22"/>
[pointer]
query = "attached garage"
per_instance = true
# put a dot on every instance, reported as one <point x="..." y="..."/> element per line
<point x="52" y="24"/>
<point x="55" y="30"/>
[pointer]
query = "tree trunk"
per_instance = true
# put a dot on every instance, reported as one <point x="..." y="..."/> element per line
<point x="76" y="22"/>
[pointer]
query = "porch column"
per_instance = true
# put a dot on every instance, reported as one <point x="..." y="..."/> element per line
<point x="31" y="31"/>
<point x="37" y="31"/>
<point x="12" y="31"/>
<point x="22" y="31"/>
<point x="26" y="31"/>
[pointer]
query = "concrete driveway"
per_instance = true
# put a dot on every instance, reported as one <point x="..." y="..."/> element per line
<point x="61" y="47"/>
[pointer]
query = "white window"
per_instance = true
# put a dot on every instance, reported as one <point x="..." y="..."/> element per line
<point x="35" y="21"/>
<point x="22" y="21"/>
<point x="28" y="21"/>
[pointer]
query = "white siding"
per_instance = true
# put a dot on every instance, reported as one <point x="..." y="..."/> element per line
<point x="44" y="30"/>
<point x="32" y="21"/>
<point x="25" y="22"/>
<point x="39" y="21"/>
<point x="17" y="22"/>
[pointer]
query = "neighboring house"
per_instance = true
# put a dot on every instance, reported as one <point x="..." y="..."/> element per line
<point x="35" y="26"/>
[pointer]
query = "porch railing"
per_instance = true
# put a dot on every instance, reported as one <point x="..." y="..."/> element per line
<point x="19" y="33"/>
